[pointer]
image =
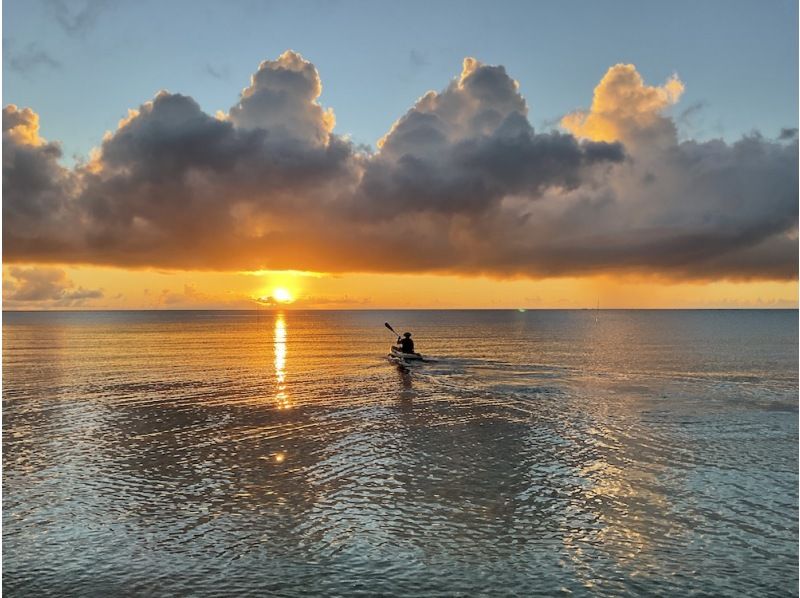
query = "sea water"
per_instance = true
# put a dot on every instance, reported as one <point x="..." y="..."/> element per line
<point x="605" y="453"/>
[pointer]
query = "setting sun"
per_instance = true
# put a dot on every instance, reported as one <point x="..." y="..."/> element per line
<point x="282" y="295"/>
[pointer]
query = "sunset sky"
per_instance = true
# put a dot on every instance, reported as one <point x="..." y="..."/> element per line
<point x="367" y="155"/>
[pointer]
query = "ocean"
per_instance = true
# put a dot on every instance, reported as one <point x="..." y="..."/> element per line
<point x="603" y="453"/>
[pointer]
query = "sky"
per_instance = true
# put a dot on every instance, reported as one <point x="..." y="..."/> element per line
<point x="368" y="155"/>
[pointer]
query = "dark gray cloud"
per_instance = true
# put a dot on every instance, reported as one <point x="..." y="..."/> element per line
<point x="177" y="187"/>
<point x="474" y="175"/>
<point x="38" y="193"/>
<point x="465" y="149"/>
<point x="461" y="184"/>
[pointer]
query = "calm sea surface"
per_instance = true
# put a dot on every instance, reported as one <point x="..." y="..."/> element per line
<point x="611" y="453"/>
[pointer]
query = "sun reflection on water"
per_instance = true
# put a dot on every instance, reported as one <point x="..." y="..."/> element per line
<point x="282" y="396"/>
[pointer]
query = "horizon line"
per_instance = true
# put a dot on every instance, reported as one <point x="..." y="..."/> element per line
<point x="517" y="309"/>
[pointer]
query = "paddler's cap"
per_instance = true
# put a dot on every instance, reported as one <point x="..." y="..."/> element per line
<point x="406" y="334"/>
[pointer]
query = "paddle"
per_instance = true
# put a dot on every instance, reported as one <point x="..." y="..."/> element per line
<point x="392" y="329"/>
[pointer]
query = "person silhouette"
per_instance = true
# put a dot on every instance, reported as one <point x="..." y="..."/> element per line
<point x="406" y="344"/>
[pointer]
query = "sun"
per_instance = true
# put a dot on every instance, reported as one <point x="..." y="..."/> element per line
<point x="282" y="295"/>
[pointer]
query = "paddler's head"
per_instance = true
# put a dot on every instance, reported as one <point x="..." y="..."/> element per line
<point x="407" y="334"/>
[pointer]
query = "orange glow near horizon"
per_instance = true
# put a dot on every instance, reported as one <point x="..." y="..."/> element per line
<point x="150" y="289"/>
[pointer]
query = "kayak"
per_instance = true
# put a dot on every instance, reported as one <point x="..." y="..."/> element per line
<point x="395" y="352"/>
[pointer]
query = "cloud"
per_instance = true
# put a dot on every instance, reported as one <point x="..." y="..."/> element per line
<point x="282" y="98"/>
<point x="21" y="126"/>
<point x="688" y="112"/>
<point x="418" y="59"/>
<point x="31" y="57"/>
<point x="461" y="183"/>
<point x="324" y="302"/>
<point x="44" y="287"/>
<point x="312" y="302"/>
<point x="77" y="22"/>
<point x="268" y="301"/>
<point x="222" y="73"/>
<point x="38" y="193"/>
<point x="465" y="149"/>
<point x="624" y="108"/>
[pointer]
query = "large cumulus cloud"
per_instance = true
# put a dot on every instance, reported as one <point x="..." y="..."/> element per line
<point x="463" y="150"/>
<point x="693" y="208"/>
<point x="460" y="183"/>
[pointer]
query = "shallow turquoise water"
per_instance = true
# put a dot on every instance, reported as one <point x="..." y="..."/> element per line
<point x="543" y="453"/>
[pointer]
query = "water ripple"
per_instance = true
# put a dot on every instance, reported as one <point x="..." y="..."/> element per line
<point x="215" y="454"/>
